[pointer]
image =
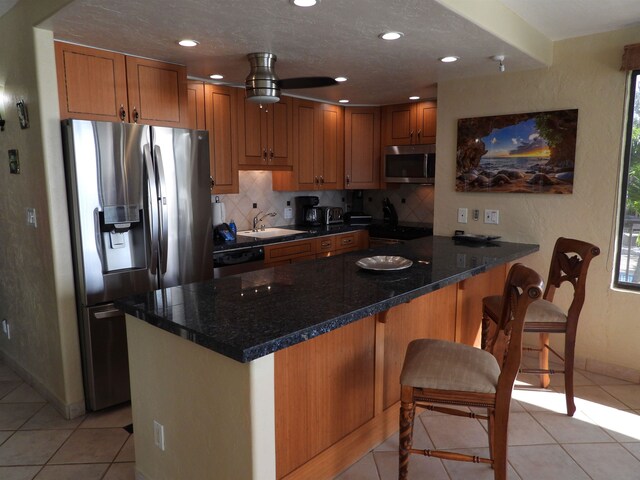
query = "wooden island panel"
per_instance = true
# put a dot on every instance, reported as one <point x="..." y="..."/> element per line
<point x="429" y="316"/>
<point x="322" y="383"/>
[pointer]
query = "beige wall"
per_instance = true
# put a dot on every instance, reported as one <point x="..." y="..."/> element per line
<point x="36" y="279"/>
<point x="585" y="75"/>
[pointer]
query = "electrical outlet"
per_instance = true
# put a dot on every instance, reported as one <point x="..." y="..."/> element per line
<point x="462" y="215"/>
<point x="6" y="328"/>
<point x="288" y="213"/>
<point x="492" y="216"/>
<point x="31" y="217"/>
<point x="158" y="435"/>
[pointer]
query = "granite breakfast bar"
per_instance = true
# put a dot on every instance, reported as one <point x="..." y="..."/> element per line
<point x="292" y="372"/>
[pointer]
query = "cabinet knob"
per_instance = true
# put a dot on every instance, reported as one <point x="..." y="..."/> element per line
<point x="264" y="154"/>
<point x="411" y="134"/>
<point x="135" y="115"/>
<point x="270" y="154"/>
<point x="419" y="133"/>
<point x="348" y="180"/>
<point x="213" y="183"/>
<point x="317" y="180"/>
<point x="321" y="179"/>
<point x="122" y="113"/>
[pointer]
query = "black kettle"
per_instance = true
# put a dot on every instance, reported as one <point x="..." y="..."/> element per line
<point x="389" y="214"/>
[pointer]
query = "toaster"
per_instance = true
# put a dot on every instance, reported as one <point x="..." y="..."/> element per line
<point x="333" y="215"/>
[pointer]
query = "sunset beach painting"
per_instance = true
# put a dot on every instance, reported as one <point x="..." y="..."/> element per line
<point x="519" y="153"/>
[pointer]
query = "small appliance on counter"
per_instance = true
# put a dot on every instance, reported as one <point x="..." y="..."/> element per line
<point x="333" y="215"/>
<point x="308" y="212"/>
<point x="389" y="214"/>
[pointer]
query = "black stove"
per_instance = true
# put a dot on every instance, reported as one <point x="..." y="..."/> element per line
<point x="399" y="232"/>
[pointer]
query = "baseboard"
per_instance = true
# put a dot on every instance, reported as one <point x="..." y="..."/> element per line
<point x="68" y="411"/>
<point x="596" y="366"/>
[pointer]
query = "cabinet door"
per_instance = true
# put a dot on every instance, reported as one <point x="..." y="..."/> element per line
<point x="157" y="92"/>
<point x="252" y="134"/>
<point x="398" y="124"/>
<point x="306" y="141"/>
<point x="195" y="102"/>
<point x="426" y="115"/>
<point x="329" y="159"/>
<point x="92" y="84"/>
<point x="221" y="119"/>
<point x="279" y="141"/>
<point x="362" y="147"/>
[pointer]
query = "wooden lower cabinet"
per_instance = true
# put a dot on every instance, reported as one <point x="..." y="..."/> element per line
<point x="337" y="395"/>
<point x="310" y="249"/>
<point x="323" y="391"/>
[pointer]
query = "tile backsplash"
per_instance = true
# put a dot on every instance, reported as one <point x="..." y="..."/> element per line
<point x="255" y="187"/>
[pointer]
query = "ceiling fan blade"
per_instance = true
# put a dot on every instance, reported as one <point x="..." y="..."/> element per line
<point x="306" y="82"/>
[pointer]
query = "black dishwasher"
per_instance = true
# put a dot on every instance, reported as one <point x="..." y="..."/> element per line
<point x="239" y="260"/>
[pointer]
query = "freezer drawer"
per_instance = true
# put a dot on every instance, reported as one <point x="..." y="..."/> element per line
<point x="106" y="363"/>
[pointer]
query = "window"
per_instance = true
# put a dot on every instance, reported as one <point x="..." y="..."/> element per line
<point x="628" y="258"/>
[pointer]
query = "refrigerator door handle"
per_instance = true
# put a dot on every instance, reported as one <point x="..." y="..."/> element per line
<point x="162" y="206"/>
<point x="153" y="206"/>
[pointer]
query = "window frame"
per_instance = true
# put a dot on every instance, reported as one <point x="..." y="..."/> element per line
<point x="624" y="182"/>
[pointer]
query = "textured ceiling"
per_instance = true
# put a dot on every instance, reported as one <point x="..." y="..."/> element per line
<point x="337" y="37"/>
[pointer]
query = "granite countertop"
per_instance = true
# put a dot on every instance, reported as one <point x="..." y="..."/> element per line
<point x="250" y="315"/>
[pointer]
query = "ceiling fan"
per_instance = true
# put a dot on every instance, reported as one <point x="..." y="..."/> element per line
<point x="263" y="85"/>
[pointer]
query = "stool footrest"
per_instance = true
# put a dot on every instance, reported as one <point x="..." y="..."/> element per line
<point x="451" y="411"/>
<point x="451" y="456"/>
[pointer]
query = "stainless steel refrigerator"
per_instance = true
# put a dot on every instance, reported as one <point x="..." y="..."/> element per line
<point x="140" y="209"/>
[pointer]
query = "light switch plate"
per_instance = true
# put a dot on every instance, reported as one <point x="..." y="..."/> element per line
<point x="492" y="216"/>
<point x="32" y="221"/>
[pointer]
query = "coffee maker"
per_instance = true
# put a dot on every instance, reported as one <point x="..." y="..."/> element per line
<point x="307" y="211"/>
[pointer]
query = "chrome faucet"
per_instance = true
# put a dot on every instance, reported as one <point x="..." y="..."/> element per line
<point x="257" y="219"/>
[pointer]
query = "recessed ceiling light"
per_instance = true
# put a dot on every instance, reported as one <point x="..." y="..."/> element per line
<point x="305" y="3"/>
<point x="449" y="59"/>
<point x="216" y="76"/>
<point x="414" y="97"/>
<point x="391" y="35"/>
<point x="340" y="79"/>
<point x="188" y="42"/>
<point x="344" y="100"/>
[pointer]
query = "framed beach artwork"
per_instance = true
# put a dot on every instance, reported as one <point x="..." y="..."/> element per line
<point x="519" y="153"/>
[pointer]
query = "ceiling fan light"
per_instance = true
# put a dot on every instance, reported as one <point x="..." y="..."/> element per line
<point x="262" y="99"/>
<point x="262" y="82"/>
<point x="305" y="3"/>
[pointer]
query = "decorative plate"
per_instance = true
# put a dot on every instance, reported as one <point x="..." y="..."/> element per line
<point x="384" y="263"/>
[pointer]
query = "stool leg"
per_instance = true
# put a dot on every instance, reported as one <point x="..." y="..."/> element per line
<point x="407" y="414"/>
<point x="485" y="332"/>
<point x="543" y="360"/>
<point x="499" y="441"/>
<point x="569" y="351"/>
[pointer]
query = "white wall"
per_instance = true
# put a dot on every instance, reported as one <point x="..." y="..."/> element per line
<point x="585" y="75"/>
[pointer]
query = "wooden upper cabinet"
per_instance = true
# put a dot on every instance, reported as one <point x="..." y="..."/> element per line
<point x="362" y="147"/>
<point x="100" y="85"/>
<point x="92" y="84"/>
<point x="195" y="105"/>
<point x="221" y="120"/>
<point x="265" y="134"/>
<point x="329" y="160"/>
<point x="157" y="92"/>
<point x="409" y="124"/>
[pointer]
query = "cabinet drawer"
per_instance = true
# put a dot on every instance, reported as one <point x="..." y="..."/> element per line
<point x="347" y="240"/>
<point x="288" y="251"/>
<point x="325" y="244"/>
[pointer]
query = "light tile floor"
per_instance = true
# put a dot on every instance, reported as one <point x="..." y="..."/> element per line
<point x="601" y="441"/>
<point x="36" y="443"/>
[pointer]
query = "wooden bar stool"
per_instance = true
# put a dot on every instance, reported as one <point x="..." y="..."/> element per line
<point x="569" y="263"/>
<point x="449" y="373"/>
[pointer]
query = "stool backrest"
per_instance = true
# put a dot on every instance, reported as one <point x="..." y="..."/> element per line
<point x="522" y="286"/>
<point x="570" y="263"/>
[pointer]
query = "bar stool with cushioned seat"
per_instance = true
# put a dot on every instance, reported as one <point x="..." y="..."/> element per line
<point x="449" y="373"/>
<point x="569" y="263"/>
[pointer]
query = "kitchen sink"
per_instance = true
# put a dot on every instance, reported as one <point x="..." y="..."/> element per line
<point x="270" y="232"/>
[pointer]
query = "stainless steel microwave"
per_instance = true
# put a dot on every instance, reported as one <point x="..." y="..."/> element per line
<point x="410" y="164"/>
